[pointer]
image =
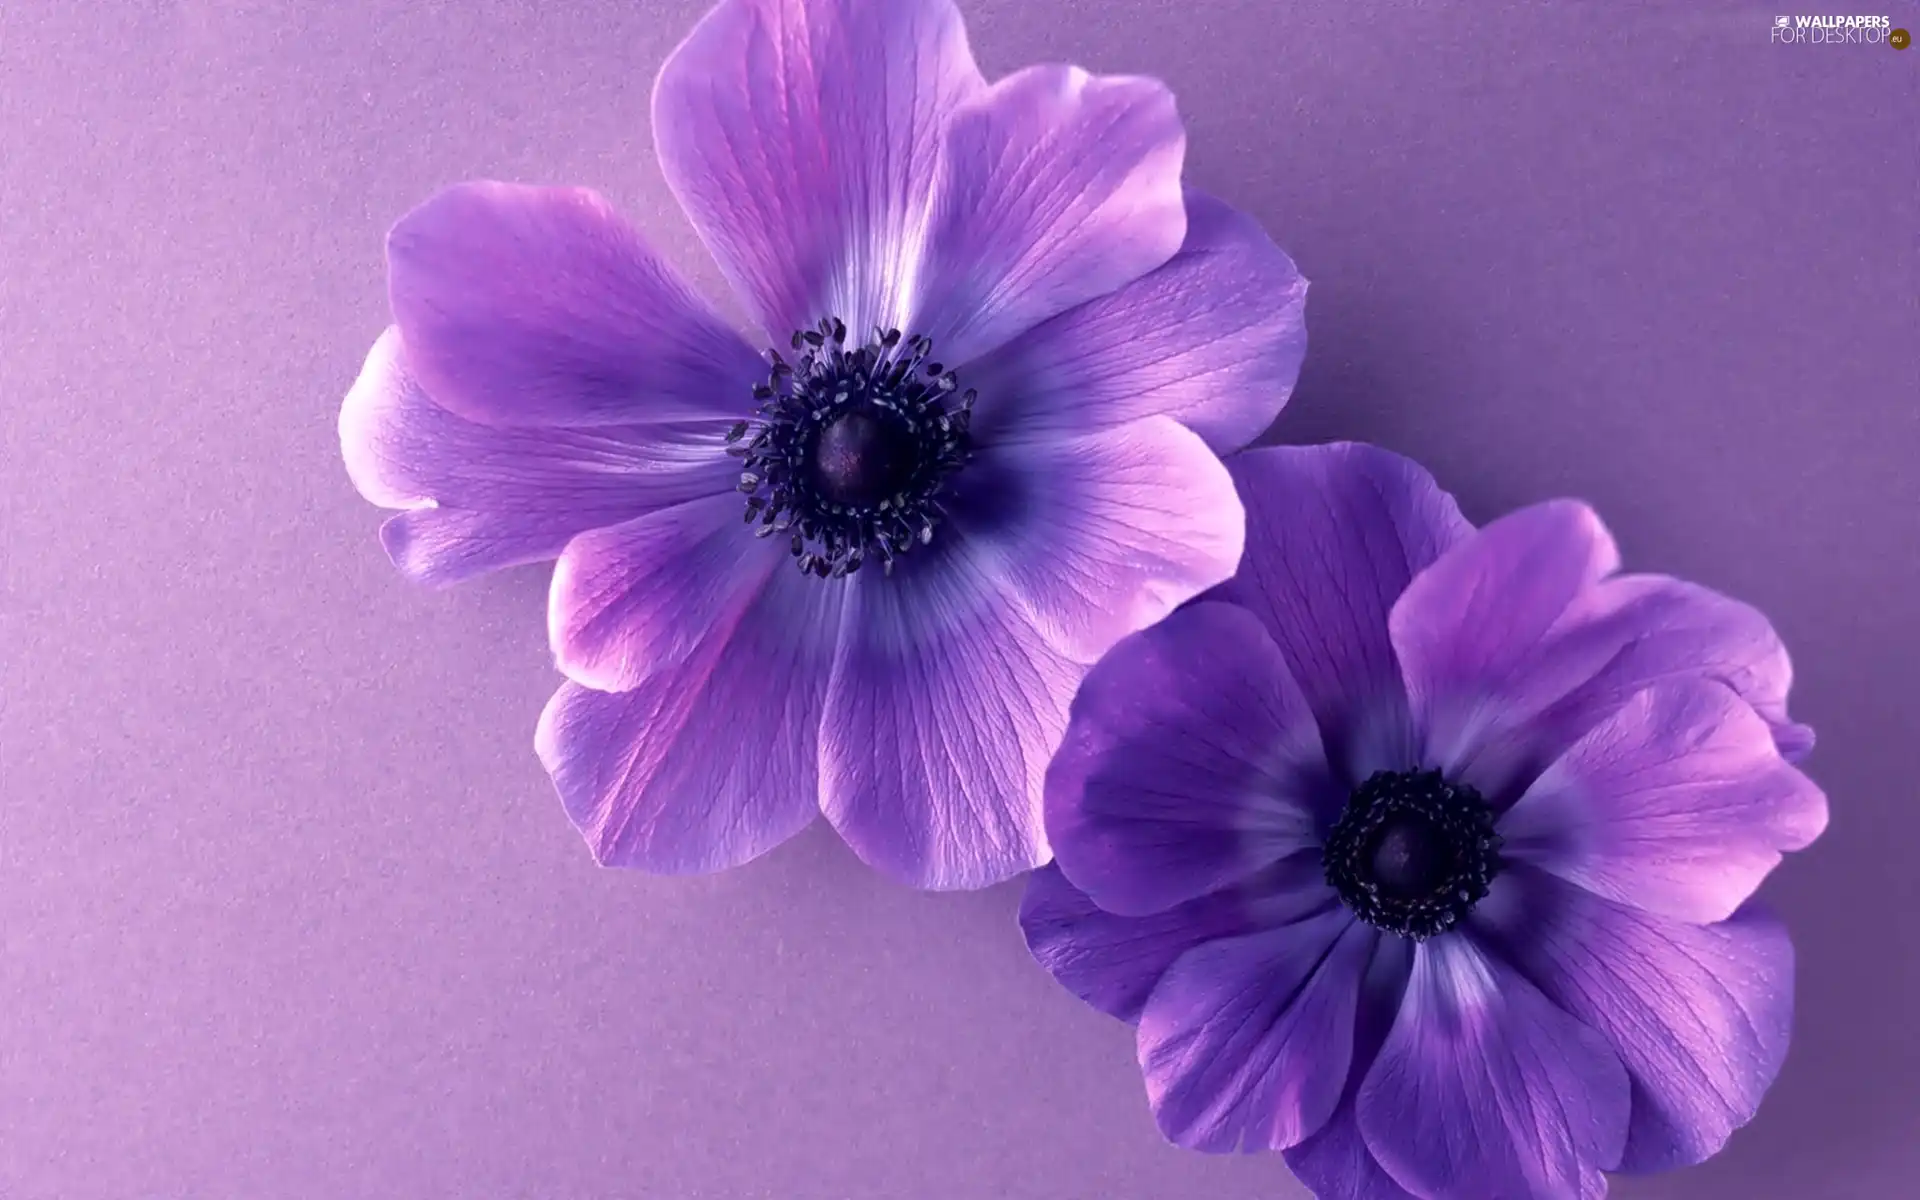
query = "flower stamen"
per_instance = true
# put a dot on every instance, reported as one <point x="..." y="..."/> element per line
<point x="1412" y="853"/>
<point x="849" y="452"/>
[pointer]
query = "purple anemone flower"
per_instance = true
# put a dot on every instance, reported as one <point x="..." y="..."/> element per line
<point x="861" y="575"/>
<point x="1424" y="853"/>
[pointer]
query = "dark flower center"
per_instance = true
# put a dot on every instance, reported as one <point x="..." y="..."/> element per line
<point x="851" y="451"/>
<point x="862" y="458"/>
<point x="1412" y="853"/>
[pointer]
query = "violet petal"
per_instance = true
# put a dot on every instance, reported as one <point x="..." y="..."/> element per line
<point x="1055" y="188"/>
<point x="1213" y="338"/>
<point x="1245" y="1043"/>
<point x="1190" y="763"/>
<point x="1334" y="535"/>
<point x="1678" y="803"/>
<point x="801" y="138"/>
<point x="1486" y="1088"/>
<point x="541" y="306"/>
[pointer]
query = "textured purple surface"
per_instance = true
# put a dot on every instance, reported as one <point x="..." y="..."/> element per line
<point x="287" y="908"/>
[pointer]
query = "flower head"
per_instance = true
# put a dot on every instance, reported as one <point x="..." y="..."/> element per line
<point x="1424" y="854"/>
<point x="864" y="572"/>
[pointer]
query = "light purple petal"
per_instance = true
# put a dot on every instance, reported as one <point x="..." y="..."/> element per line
<point x="801" y="137"/>
<point x="632" y="599"/>
<point x="1516" y="642"/>
<point x="1700" y="1015"/>
<point x="1112" y="962"/>
<point x="709" y="761"/>
<point x="1246" y="1043"/>
<point x="542" y="306"/>
<point x="1334" y="535"/>
<point x="945" y="705"/>
<point x="1485" y="1088"/>
<point x="1105" y="534"/>
<point x="1653" y="628"/>
<point x="481" y="497"/>
<point x="1056" y="187"/>
<point x="1679" y="803"/>
<point x="1190" y="762"/>
<point x="1214" y="339"/>
<point x="1468" y="625"/>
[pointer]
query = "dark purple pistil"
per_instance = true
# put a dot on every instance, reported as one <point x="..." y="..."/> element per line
<point x="862" y="458"/>
<point x="1411" y="858"/>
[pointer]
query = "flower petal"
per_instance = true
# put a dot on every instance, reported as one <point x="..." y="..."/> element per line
<point x="1467" y="624"/>
<point x="1334" y="535"/>
<point x="1190" y="761"/>
<point x="632" y="599"/>
<point x="1109" y="961"/>
<point x="542" y="306"/>
<point x="1651" y="628"/>
<point x="1246" y="1043"/>
<point x="1214" y="339"/>
<point x="1055" y="188"/>
<point x="1112" y="962"/>
<point x="1334" y="1161"/>
<point x="1336" y="1164"/>
<point x="1516" y="643"/>
<point x="481" y="497"/>
<point x="1106" y="534"/>
<point x="710" y="761"/>
<point x="946" y="703"/>
<point x="801" y="138"/>
<point x="1701" y="1015"/>
<point x="1484" y="1088"/>
<point x="1679" y="803"/>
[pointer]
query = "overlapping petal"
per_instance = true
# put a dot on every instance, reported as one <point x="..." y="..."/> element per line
<point x="1113" y="962"/>
<point x="1517" y="641"/>
<point x="802" y="137"/>
<point x="479" y="497"/>
<point x="1245" y="1043"/>
<point x="709" y="760"/>
<point x="1191" y="762"/>
<point x="945" y="704"/>
<point x="1486" y="1088"/>
<point x="1468" y="626"/>
<point x="1679" y="803"/>
<point x="1105" y="534"/>
<point x="630" y="599"/>
<point x="1335" y="533"/>
<point x="1055" y="188"/>
<point x="541" y="306"/>
<point x="1337" y="1165"/>
<point x="1653" y="628"/>
<point x="1701" y="1015"/>
<point x="1335" y="1161"/>
<point x="1213" y="338"/>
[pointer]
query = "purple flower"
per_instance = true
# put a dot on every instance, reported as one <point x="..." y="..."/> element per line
<point x="1424" y="853"/>
<point x="864" y="577"/>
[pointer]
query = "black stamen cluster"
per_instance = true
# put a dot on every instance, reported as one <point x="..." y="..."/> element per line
<point x="851" y="450"/>
<point x="1412" y="853"/>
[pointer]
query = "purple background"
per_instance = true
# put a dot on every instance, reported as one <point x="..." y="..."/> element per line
<point x="287" y="909"/>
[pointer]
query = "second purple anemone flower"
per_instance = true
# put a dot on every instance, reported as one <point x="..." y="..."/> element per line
<point x="1424" y="853"/>
<point x="862" y="575"/>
